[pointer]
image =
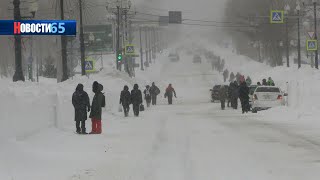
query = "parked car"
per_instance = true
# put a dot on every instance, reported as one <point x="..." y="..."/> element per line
<point x="215" y="92"/>
<point x="174" y="57"/>
<point x="265" y="97"/>
<point x="197" y="59"/>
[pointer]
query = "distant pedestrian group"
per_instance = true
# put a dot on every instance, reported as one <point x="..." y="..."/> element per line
<point x="82" y="106"/>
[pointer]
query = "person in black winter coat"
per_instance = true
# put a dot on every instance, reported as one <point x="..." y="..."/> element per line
<point x="154" y="91"/>
<point x="232" y="76"/>
<point x="222" y="96"/>
<point x="235" y="95"/>
<point x="238" y="77"/>
<point x="264" y="82"/>
<point x="147" y="95"/>
<point x="136" y="99"/>
<point x="125" y="100"/>
<point x="244" y="96"/>
<point x="81" y="104"/>
<point x="225" y="75"/>
<point x="230" y="90"/>
<point x="96" y="108"/>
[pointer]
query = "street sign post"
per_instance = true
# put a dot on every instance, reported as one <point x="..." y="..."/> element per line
<point x="312" y="45"/>
<point x="277" y="17"/>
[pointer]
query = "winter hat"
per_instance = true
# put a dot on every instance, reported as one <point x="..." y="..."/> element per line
<point x="79" y="87"/>
<point x="126" y="88"/>
<point x="95" y="86"/>
<point x="135" y="86"/>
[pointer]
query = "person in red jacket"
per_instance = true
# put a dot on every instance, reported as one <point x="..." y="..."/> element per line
<point x="169" y="93"/>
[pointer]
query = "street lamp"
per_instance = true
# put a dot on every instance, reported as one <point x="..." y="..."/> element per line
<point x="286" y="12"/>
<point x="298" y="8"/>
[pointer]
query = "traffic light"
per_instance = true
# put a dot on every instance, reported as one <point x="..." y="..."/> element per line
<point x="119" y="55"/>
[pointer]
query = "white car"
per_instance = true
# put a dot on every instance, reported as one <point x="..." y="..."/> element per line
<point x="265" y="97"/>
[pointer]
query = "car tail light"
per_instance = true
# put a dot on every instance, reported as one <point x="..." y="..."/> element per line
<point x="255" y="97"/>
<point x="279" y="97"/>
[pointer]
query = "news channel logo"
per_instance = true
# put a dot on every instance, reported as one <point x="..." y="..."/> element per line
<point x="38" y="27"/>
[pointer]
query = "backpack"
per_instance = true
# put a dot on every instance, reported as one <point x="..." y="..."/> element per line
<point x="103" y="103"/>
<point x="157" y="91"/>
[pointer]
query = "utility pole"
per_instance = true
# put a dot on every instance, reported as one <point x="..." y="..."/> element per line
<point x="287" y="42"/>
<point x="82" y="47"/>
<point x="126" y="58"/>
<point x="18" y="75"/>
<point x="150" y="46"/>
<point x="316" y="34"/>
<point x="299" y="48"/>
<point x="154" y="55"/>
<point x="141" y="50"/>
<point x="64" y="48"/>
<point x="147" y="50"/>
<point x="118" y="36"/>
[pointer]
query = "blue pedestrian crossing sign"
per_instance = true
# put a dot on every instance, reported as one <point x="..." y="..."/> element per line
<point x="276" y="17"/>
<point x="90" y="65"/>
<point x="312" y="45"/>
<point x="129" y="49"/>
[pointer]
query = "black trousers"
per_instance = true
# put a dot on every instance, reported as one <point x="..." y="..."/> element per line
<point x="83" y="126"/>
<point x="148" y="101"/>
<point x="126" y="109"/>
<point x="136" y="109"/>
<point x="234" y="103"/>
<point x="154" y="100"/>
<point x="244" y="105"/>
<point x="169" y="99"/>
<point x="223" y="103"/>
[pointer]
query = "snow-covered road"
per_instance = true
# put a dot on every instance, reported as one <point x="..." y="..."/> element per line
<point x="190" y="140"/>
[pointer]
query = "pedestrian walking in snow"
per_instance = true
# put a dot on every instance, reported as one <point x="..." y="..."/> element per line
<point x="248" y="81"/>
<point x="235" y="95"/>
<point x="96" y="108"/>
<point x="125" y="100"/>
<point x="264" y="82"/>
<point x="136" y="99"/>
<point x="147" y="95"/>
<point x="169" y="93"/>
<point x="225" y="75"/>
<point x="230" y="90"/>
<point x="223" y="96"/>
<point x="232" y="77"/>
<point x="270" y="82"/>
<point x="154" y="91"/>
<point x="238" y="76"/>
<point x="81" y="104"/>
<point x="244" y="97"/>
